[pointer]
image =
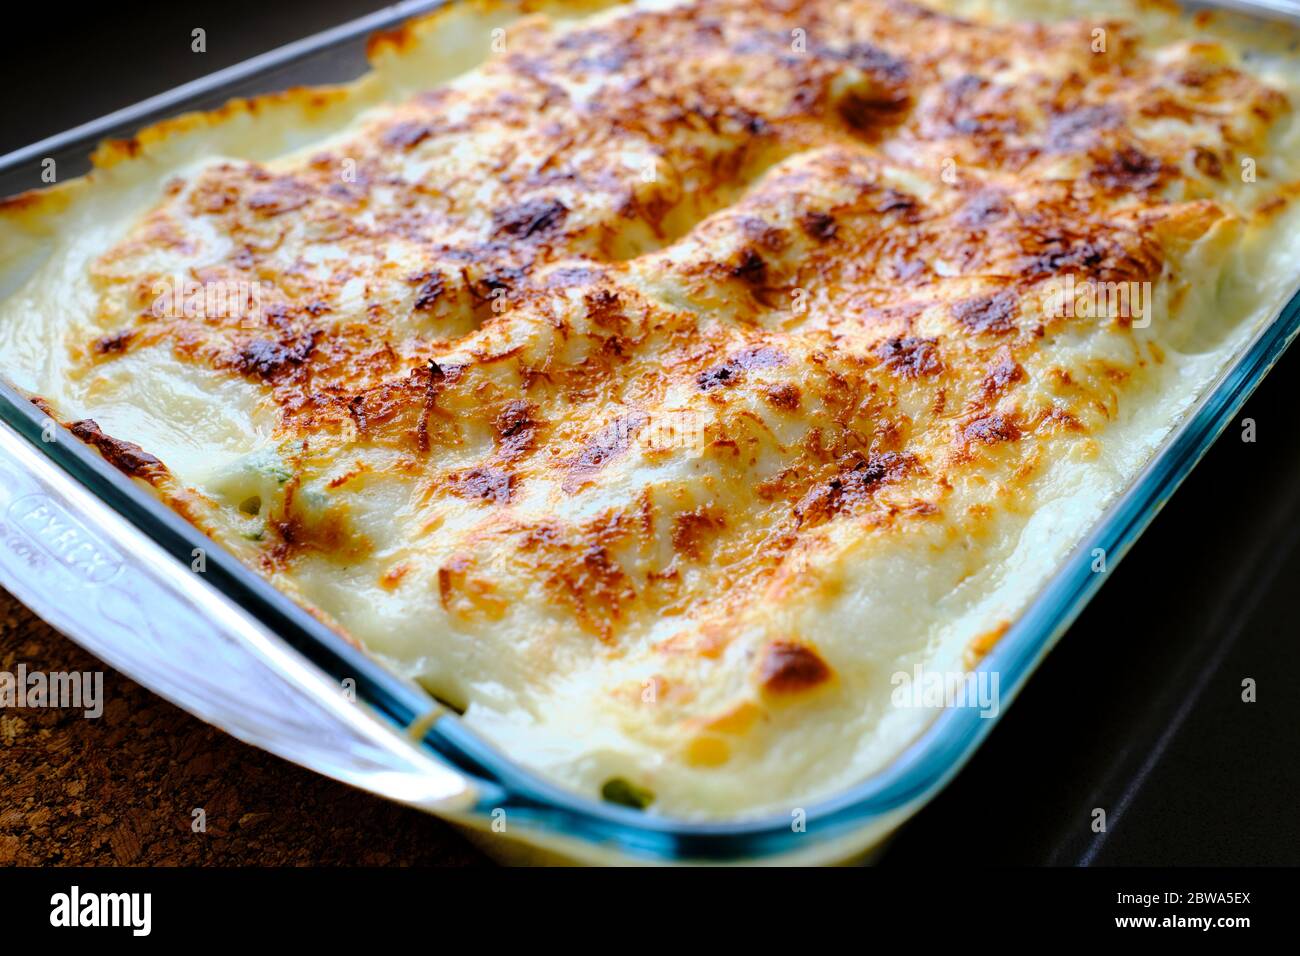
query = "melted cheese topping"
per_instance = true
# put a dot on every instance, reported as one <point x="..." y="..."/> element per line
<point x="661" y="386"/>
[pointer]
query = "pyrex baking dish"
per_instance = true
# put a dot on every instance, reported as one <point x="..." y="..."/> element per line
<point x="115" y="570"/>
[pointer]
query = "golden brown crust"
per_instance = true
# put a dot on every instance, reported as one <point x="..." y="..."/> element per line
<point x="826" y="253"/>
<point x="789" y="667"/>
<point x="127" y="457"/>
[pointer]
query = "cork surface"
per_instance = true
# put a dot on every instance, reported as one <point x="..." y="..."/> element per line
<point x="122" y="789"/>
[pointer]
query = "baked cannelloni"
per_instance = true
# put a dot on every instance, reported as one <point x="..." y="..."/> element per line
<point x="667" y="386"/>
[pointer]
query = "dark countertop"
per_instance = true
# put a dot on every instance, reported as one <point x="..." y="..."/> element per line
<point x="122" y="788"/>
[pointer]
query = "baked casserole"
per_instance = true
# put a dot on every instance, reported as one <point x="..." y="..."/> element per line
<point x="657" y="383"/>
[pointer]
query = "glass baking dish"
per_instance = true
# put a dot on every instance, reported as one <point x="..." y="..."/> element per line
<point x="144" y="590"/>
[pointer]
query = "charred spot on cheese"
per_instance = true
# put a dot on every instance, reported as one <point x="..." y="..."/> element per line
<point x="889" y="70"/>
<point x="856" y="478"/>
<point x="960" y="110"/>
<point x="114" y="344"/>
<point x="404" y="409"/>
<point x="818" y="225"/>
<point x="1058" y="254"/>
<point x="267" y="359"/>
<point x="432" y="286"/>
<point x="984" y="208"/>
<point x="987" y="313"/>
<point x="528" y="219"/>
<point x="585" y="576"/>
<point x="692" y="528"/>
<point x="717" y="376"/>
<point x="604" y="307"/>
<point x="306" y="523"/>
<point x="1128" y="168"/>
<point x="883" y="97"/>
<point x="910" y="356"/>
<point x="730" y="371"/>
<point x="516" y="429"/>
<point x="567" y="277"/>
<point x="493" y="282"/>
<point x="127" y="457"/>
<point x="790" y="667"/>
<point x="1074" y="127"/>
<point x="484" y="484"/>
<point x="1207" y="161"/>
<point x="783" y="396"/>
<point x="1004" y="372"/>
<point x="892" y="200"/>
<point x="604" y="446"/>
<point x="283" y="194"/>
<point x="750" y="267"/>
<point x="763" y="233"/>
<point x="406" y="134"/>
<point x="991" y="429"/>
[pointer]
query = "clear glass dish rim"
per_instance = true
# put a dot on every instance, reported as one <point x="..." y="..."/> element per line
<point x="921" y="770"/>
